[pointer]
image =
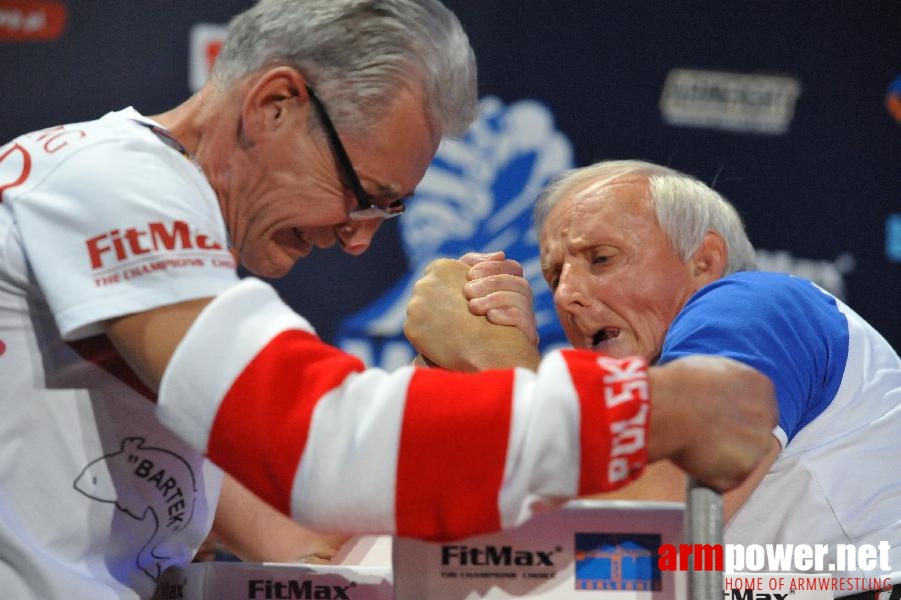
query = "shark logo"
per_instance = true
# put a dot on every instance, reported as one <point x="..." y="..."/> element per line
<point x="148" y="484"/>
<point x="477" y="195"/>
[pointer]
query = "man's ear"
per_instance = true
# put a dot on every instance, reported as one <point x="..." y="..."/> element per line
<point x="276" y="98"/>
<point x="708" y="263"/>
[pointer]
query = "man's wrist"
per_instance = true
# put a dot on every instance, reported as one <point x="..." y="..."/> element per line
<point x="665" y="417"/>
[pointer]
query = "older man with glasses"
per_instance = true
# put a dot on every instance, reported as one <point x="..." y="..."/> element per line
<point x="119" y="245"/>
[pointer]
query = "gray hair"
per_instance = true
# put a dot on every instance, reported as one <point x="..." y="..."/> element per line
<point x="357" y="54"/>
<point x="686" y="208"/>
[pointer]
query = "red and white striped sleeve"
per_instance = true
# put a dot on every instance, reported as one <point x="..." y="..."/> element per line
<point x="416" y="452"/>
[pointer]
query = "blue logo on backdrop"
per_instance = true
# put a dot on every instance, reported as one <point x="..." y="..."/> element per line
<point x="617" y="561"/>
<point x="893" y="237"/>
<point x="477" y="195"/>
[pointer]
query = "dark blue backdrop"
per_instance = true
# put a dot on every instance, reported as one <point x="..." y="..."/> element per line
<point x="827" y="191"/>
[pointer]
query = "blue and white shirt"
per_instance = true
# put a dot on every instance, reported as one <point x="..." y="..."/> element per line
<point x="837" y="479"/>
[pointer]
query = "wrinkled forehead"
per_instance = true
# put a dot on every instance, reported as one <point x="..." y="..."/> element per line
<point x="396" y="153"/>
<point x="623" y="200"/>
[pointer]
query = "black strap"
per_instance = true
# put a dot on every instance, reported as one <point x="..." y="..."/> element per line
<point x="166" y="137"/>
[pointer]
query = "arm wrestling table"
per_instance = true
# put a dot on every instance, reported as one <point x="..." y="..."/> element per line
<point x="587" y="549"/>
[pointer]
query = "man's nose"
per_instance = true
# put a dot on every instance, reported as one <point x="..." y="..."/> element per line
<point x="355" y="236"/>
<point x="570" y="293"/>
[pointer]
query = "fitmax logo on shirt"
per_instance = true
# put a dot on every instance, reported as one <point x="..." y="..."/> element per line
<point x="119" y="245"/>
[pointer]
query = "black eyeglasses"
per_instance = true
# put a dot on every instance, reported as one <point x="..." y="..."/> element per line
<point x="365" y="209"/>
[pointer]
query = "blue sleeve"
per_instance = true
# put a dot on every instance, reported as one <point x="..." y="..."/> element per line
<point x="781" y="325"/>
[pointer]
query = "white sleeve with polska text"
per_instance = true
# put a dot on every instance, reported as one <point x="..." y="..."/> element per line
<point x="416" y="452"/>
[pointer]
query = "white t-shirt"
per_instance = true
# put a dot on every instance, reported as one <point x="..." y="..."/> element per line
<point x="97" y="220"/>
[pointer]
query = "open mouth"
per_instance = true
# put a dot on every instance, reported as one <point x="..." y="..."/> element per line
<point x="605" y="335"/>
